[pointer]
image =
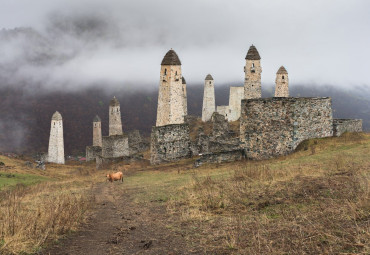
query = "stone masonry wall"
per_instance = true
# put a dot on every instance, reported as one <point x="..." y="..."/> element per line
<point x="97" y="135"/>
<point x="346" y="125"/>
<point x="136" y="143"/>
<point x="235" y="98"/>
<point x="209" y="103"/>
<point x="271" y="127"/>
<point x="115" y="122"/>
<point x="115" y="146"/>
<point x="56" y="142"/>
<point x="223" y="110"/>
<point x="92" y="152"/>
<point x="252" y="82"/>
<point x="169" y="143"/>
<point x="170" y="97"/>
<point x="282" y="85"/>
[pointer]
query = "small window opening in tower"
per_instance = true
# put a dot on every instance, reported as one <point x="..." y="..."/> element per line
<point x="283" y="77"/>
<point x="210" y="82"/>
<point x="165" y="71"/>
<point x="176" y="73"/>
<point x="253" y="65"/>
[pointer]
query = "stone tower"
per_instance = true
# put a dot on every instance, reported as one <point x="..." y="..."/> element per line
<point x="56" y="143"/>
<point x="115" y="123"/>
<point x="282" y="83"/>
<point x="209" y="104"/>
<point x="253" y="70"/>
<point x="97" y="137"/>
<point x="170" y="97"/>
<point x="185" y="99"/>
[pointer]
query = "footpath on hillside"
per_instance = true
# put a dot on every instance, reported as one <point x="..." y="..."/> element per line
<point x="119" y="226"/>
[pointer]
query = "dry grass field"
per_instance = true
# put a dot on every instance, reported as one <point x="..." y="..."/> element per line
<point x="314" y="201"/>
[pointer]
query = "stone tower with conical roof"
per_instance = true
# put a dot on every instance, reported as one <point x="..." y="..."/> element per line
<point x="209" y="103"/>
<point x="97" y="137"/>
<point x="253" y="70"/>
<point x="56" y="142"/>
<point x="170" y="97"/>
<point x="282" y="83"/>
<point x="185" y="98"/>
<point x="115" y="123"/>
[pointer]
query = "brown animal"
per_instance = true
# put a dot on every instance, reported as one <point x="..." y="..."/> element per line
<point x="118" y="176"/>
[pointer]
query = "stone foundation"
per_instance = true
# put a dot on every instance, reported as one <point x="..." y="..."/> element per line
<point x="92" y="152"/>
<point x="271" y="127"/>
<point x="346" y="125"/>
<point x="221" y="157"/>
<point x="115" y="146"/>
<point x="136" y="143"/>
<point x="169" y="143"/>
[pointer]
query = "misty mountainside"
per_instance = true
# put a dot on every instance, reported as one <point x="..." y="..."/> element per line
<point x="25" y="114"/>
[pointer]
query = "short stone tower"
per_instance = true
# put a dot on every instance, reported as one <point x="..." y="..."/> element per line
<point x="56" y="143"/>
<point x="253" y="70"/>
<point x="282" y="83"/>
<point x="97" y="137"/>
<point x="209" y="104"/>
<point x="185" y="98"/>
<point x="115" y="123"/>
<point x="170" y="97"/>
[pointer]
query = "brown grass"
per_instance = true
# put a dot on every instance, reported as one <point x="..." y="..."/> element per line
<point x="313" y="202"/>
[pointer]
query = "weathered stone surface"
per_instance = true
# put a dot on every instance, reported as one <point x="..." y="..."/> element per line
<point x="136" y="143"/>
<point x="253" y="70"/>
<point x="221" y="157"/>
<point x="169" y="143"/>
<point x="346" y="125"/>
<point x="115" y="146"/>
<point x="271" y="127"/>
<point x="223" y="110"/>
<point x="92" y="152"/>
<point x="282" y="83"/>
<point x="235" y="98"/>
<point x="115" y="122"/>
<point x="209" y="103"/>
<point x="56" y="140"/>
<point x="97" y="135"/>
<point x="171" y="92"/>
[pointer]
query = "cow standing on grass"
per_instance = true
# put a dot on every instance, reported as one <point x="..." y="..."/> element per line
<point x="118" y="176"/>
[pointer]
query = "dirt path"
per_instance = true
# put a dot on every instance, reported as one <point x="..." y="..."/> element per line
<point x="120" y="226"/>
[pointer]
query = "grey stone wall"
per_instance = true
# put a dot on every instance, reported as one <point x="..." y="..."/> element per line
<point x="169" y="143"/>
<point x="220" y="157"/>
<point x="346" y="125"/>
<point x="271" y="127"/>
<point x="92" y="152"/>
<point x="115" y="146"/>
<point x="136" y="143"/>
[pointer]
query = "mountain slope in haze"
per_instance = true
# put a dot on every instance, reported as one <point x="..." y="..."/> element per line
<point x="25" y="116"/>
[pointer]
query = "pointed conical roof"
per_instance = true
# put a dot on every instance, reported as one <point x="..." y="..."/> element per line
<point x="253" y="53"/>
<point x="114" y="102"/>
<point x="56" y="116"/>
<point x="171" y="59"/>
<point x="209" y="77"/>
<point x="97" y="119"/>
<point x="183" y="80"/>
<point x="282" y="70"/>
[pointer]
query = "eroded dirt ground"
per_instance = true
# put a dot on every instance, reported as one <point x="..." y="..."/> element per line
<point x="118" y="225"/>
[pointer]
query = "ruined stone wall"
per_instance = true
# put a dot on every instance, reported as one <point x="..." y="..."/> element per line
<point x="170" y="97"/>
<point x="221" y="157"/>
<point x="252" y="82"/>
<point x="223" y="110"/>
<point x="271" y="127"/>
<point x="136" y="143"/>
<point x="209" y="103"/>
<point x="92" y="152"/>
<point x="56" y="141"/>
<point x="346" y="125"/>
<point x="282" y="85"/>
<point x="235" y="98"/>
<point x="169" y="143"/>
<point x="97" y="136"/>
<point x="115" y="123"/>
<point x="185" y="99"/>
<point x="115" y="146"/>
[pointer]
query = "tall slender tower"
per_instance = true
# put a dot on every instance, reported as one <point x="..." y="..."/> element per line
<point x="56" y="143"/>
<point x="170" y="97"/>
<point x="282" y="83"/>
<point x="97" y="137"/>
<point x="115" y="123"/>
<point x="253" y="70"/>
<point x="185" y="98"/>
<point x="209" y="104"/>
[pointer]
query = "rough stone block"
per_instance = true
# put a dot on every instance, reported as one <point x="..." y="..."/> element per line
<point x="346" y="125"/>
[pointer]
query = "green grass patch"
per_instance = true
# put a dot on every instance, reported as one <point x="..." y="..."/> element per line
<point x="12" y="179"/>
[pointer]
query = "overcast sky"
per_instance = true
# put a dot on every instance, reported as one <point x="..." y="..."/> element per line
<point x="79" y="43"/>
